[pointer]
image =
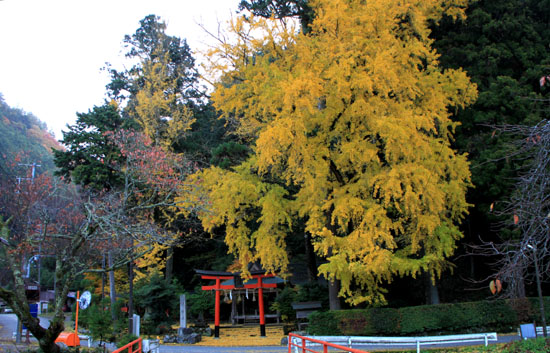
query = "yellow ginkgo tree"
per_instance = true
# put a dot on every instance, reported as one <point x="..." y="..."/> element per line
<point x="352" y="135"/>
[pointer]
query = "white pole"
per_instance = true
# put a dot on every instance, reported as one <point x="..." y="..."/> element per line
<point x="136" y="324"/>
<point x="183" y="311"/>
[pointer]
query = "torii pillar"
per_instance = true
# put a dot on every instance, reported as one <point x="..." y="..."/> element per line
<point x="261" y="306"/>
<point x="218" y="286"/>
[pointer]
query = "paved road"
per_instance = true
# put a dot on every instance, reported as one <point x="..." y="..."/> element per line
<point x="8" y="325"/>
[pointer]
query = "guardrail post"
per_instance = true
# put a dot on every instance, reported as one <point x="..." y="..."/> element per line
<point x="130" y="347"/>
<point x="303" y="345"/>
<point x="417" y="346"/>
<point x="289" y="343"/>
<point x="486" y="341"/>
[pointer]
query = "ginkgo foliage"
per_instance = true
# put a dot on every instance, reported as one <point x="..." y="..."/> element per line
<point x="352" y="135"/>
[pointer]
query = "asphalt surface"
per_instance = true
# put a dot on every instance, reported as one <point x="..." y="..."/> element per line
<point x="8" y="325"/>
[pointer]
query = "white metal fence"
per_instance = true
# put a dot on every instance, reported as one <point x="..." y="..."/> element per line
<point x="418" y="341"/>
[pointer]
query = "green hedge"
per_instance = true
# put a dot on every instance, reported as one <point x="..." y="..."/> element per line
<point x="496" y="315"/>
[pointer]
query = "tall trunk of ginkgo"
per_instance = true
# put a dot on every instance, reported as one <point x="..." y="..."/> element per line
<point x="334" y="300"/>
<point x="334" y="284"/>
<point x="333" y="289"/>
<point x="431" y="291"/>
<point x="112" y="287"/>
<point x="312" y="272"/>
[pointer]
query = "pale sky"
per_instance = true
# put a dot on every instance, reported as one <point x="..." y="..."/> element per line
<point x="51" y="51"/>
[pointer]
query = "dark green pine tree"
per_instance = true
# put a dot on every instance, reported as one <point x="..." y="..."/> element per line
<point x="280" y="9"/>
<point x="149" y="41"/>
<point x="90" y="155"/>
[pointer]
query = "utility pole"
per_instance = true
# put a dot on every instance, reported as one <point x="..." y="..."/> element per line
<point x="33" y="172"/>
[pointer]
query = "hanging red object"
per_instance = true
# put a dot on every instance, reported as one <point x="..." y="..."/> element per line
<point x="516" y="219"/>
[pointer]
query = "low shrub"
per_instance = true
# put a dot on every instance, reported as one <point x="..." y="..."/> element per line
<point x="283" y="304"/>
<point x="324" y="323"/>
<point x="124" y="340"/>
<point x="354" y="322"/>
<point x="494" y="315"/>
<point x="385" y="321"/>
<point x="302" y="293"/>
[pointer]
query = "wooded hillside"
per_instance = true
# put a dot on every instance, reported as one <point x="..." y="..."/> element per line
<point x="23" y="134"/>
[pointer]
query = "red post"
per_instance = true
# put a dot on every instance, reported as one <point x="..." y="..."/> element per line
<point x="77" y="306"/>
<point x="261" y="305"/>
<point x="217" y="310"/>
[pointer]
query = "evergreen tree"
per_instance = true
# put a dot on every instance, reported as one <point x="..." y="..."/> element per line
<point x="90" y="153"/>
<point x="160" y="92"/>
<point x="505" y="48"/>
<point x="280" y="9"/>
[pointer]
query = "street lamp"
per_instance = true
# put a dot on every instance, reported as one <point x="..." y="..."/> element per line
<point x="539" y="289"/>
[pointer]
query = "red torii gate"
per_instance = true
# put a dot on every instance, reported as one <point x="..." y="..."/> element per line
<point x="236" y="277"/>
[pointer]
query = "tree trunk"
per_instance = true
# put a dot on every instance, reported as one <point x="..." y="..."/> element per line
<point x="519" y="286"/>
<point x="169" y="264"/>
<point x="131" y="298"/>
<point x="47" y="342"/>
<point x="46" y="337"/>
<point x="311" y="260"/>
<point x="431" y="292"/>
<point x="112" y="287"/>
<point x="333" y="289"/>
<point x="49" y="346"/>
<point x="334" y="300"/>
